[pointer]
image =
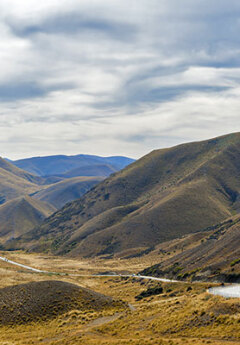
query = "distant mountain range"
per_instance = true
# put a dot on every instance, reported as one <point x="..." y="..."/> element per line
<point x="72" y="166"/>
<point x="165" y="195"/>
<point x="26" y="199"/>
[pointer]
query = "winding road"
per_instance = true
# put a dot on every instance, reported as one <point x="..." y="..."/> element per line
<point x="21" y="265"/>
<point x="231" y="291"/>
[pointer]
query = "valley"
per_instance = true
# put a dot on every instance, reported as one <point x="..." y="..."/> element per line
<point x="28" y="196"/>
<point x="119" y="172"/>
<point x="166" y="195"/>
<point x="137" y="257"/>
<point x="169" y="313"/>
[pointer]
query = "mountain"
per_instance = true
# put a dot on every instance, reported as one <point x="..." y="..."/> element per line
<point x="15" y="182"/>
<point x="67" y="190"/>
<point x="20" y="215"/>
<point x="46" y="300"/>
<point x="91" y="170"/>
<point x="60" y="164"/>
<point x="20" y="212"/>
<point x="210" y="255"/>
<point x="164" y="195"/>
<point x="11" y="168"/>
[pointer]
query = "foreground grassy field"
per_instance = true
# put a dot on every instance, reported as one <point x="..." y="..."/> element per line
<point x="159" y="313"/>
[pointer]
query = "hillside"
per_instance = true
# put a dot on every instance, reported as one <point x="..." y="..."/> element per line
<point x="11" y="168"/>
<point x="210" y="255"/>
<point x="60" y="164"/>
<point x="165" y="195"/>
<point x="15" y="182"/>
<point x="91" y="170"/>
<point x="40" y="301"/>
<point x="19" y="215"/>
<point x="67" y="190"/>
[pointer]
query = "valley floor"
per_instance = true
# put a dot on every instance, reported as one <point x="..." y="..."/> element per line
<point x="183" y="313"/>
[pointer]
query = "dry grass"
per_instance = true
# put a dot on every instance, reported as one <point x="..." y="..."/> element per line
<point x="182" y="314"/>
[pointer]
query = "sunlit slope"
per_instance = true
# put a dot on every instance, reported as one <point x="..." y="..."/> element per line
<point x="9" y="167"/>
<point x="68" y="190"/>
<point x="15" y="182"/>
<point x="164" y="195"/>
<point x="20" y="215"/>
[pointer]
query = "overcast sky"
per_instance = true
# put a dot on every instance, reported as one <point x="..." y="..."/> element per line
<point x="116" y="77"/>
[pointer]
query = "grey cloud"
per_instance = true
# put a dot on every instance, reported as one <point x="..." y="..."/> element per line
<point x="117" y="77"/>
<point x="16" y="91"/>
<point x="28" y="90"/>
<point x="72" y="23"/>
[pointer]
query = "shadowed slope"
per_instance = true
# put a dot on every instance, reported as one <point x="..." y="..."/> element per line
<point x="68" y="190"/>
<point x="164" y="195"/>
<point x="39" y="301"/>
<point x="213" y="254"/>
<point x="60" y="164"/>
<point x="20" y="215"/>
<point x="91" y="170"/>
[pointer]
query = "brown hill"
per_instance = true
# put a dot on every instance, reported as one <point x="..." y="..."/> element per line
<point x="39" y="301"/>
<point x="164" y="195"/>
<point x="20" y="215"/>
<point x="15" y="182"/>
<point x="58" y="194"/>
<point x="7" y="166"/>
<point x="210" y="255"/>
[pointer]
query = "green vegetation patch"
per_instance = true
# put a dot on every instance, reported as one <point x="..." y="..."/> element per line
<point x="151" y="291"/>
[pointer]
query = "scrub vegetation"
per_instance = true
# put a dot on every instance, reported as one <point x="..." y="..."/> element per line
<point x="167" y="313"/>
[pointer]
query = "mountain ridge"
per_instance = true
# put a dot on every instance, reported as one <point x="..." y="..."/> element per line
<point x="62" y="164"/>
<point x="21" y="215"/>
<point x="164" y="195"/>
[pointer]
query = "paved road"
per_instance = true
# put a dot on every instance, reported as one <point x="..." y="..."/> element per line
<point x="87" y="275"/>
<point x="21" y="265"/>
<point x="225" y="291"/>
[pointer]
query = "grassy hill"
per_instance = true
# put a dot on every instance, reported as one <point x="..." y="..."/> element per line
<point x="15" y="182"/>
<point x="67" y="190"/>
<point x="40" y="301"/>
<point x="19" y="215"/>
<point x="60" y="164"/>
<point x="165" y="195"/>
<point x="11" y="168"/>
<point x="210" y="255"/>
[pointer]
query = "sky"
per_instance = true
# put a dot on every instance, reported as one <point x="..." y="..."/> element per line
<point x="116" y="77"/>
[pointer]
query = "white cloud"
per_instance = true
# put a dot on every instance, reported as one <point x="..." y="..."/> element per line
<point x="113" y="77"/>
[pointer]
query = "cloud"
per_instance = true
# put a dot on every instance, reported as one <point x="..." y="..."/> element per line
<point x="113" y="77"/>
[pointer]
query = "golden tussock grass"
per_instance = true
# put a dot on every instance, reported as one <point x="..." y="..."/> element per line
<point x="182" y="314"/>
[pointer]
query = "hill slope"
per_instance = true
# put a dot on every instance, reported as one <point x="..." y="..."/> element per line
<point x="60" y="164"/>
<point x="91" y="170"/>
<point x="15" y="182"/>
<point x="65" y="191"/>
<point x="210" y="255"/>
<point x="164" y="195"/>
<point x="11" y="168"/>
<point x="40" y="301"/>
<point x="20" y="215"/>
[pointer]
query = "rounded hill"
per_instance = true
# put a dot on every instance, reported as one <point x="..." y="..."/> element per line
<point x="40" y="301"/>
